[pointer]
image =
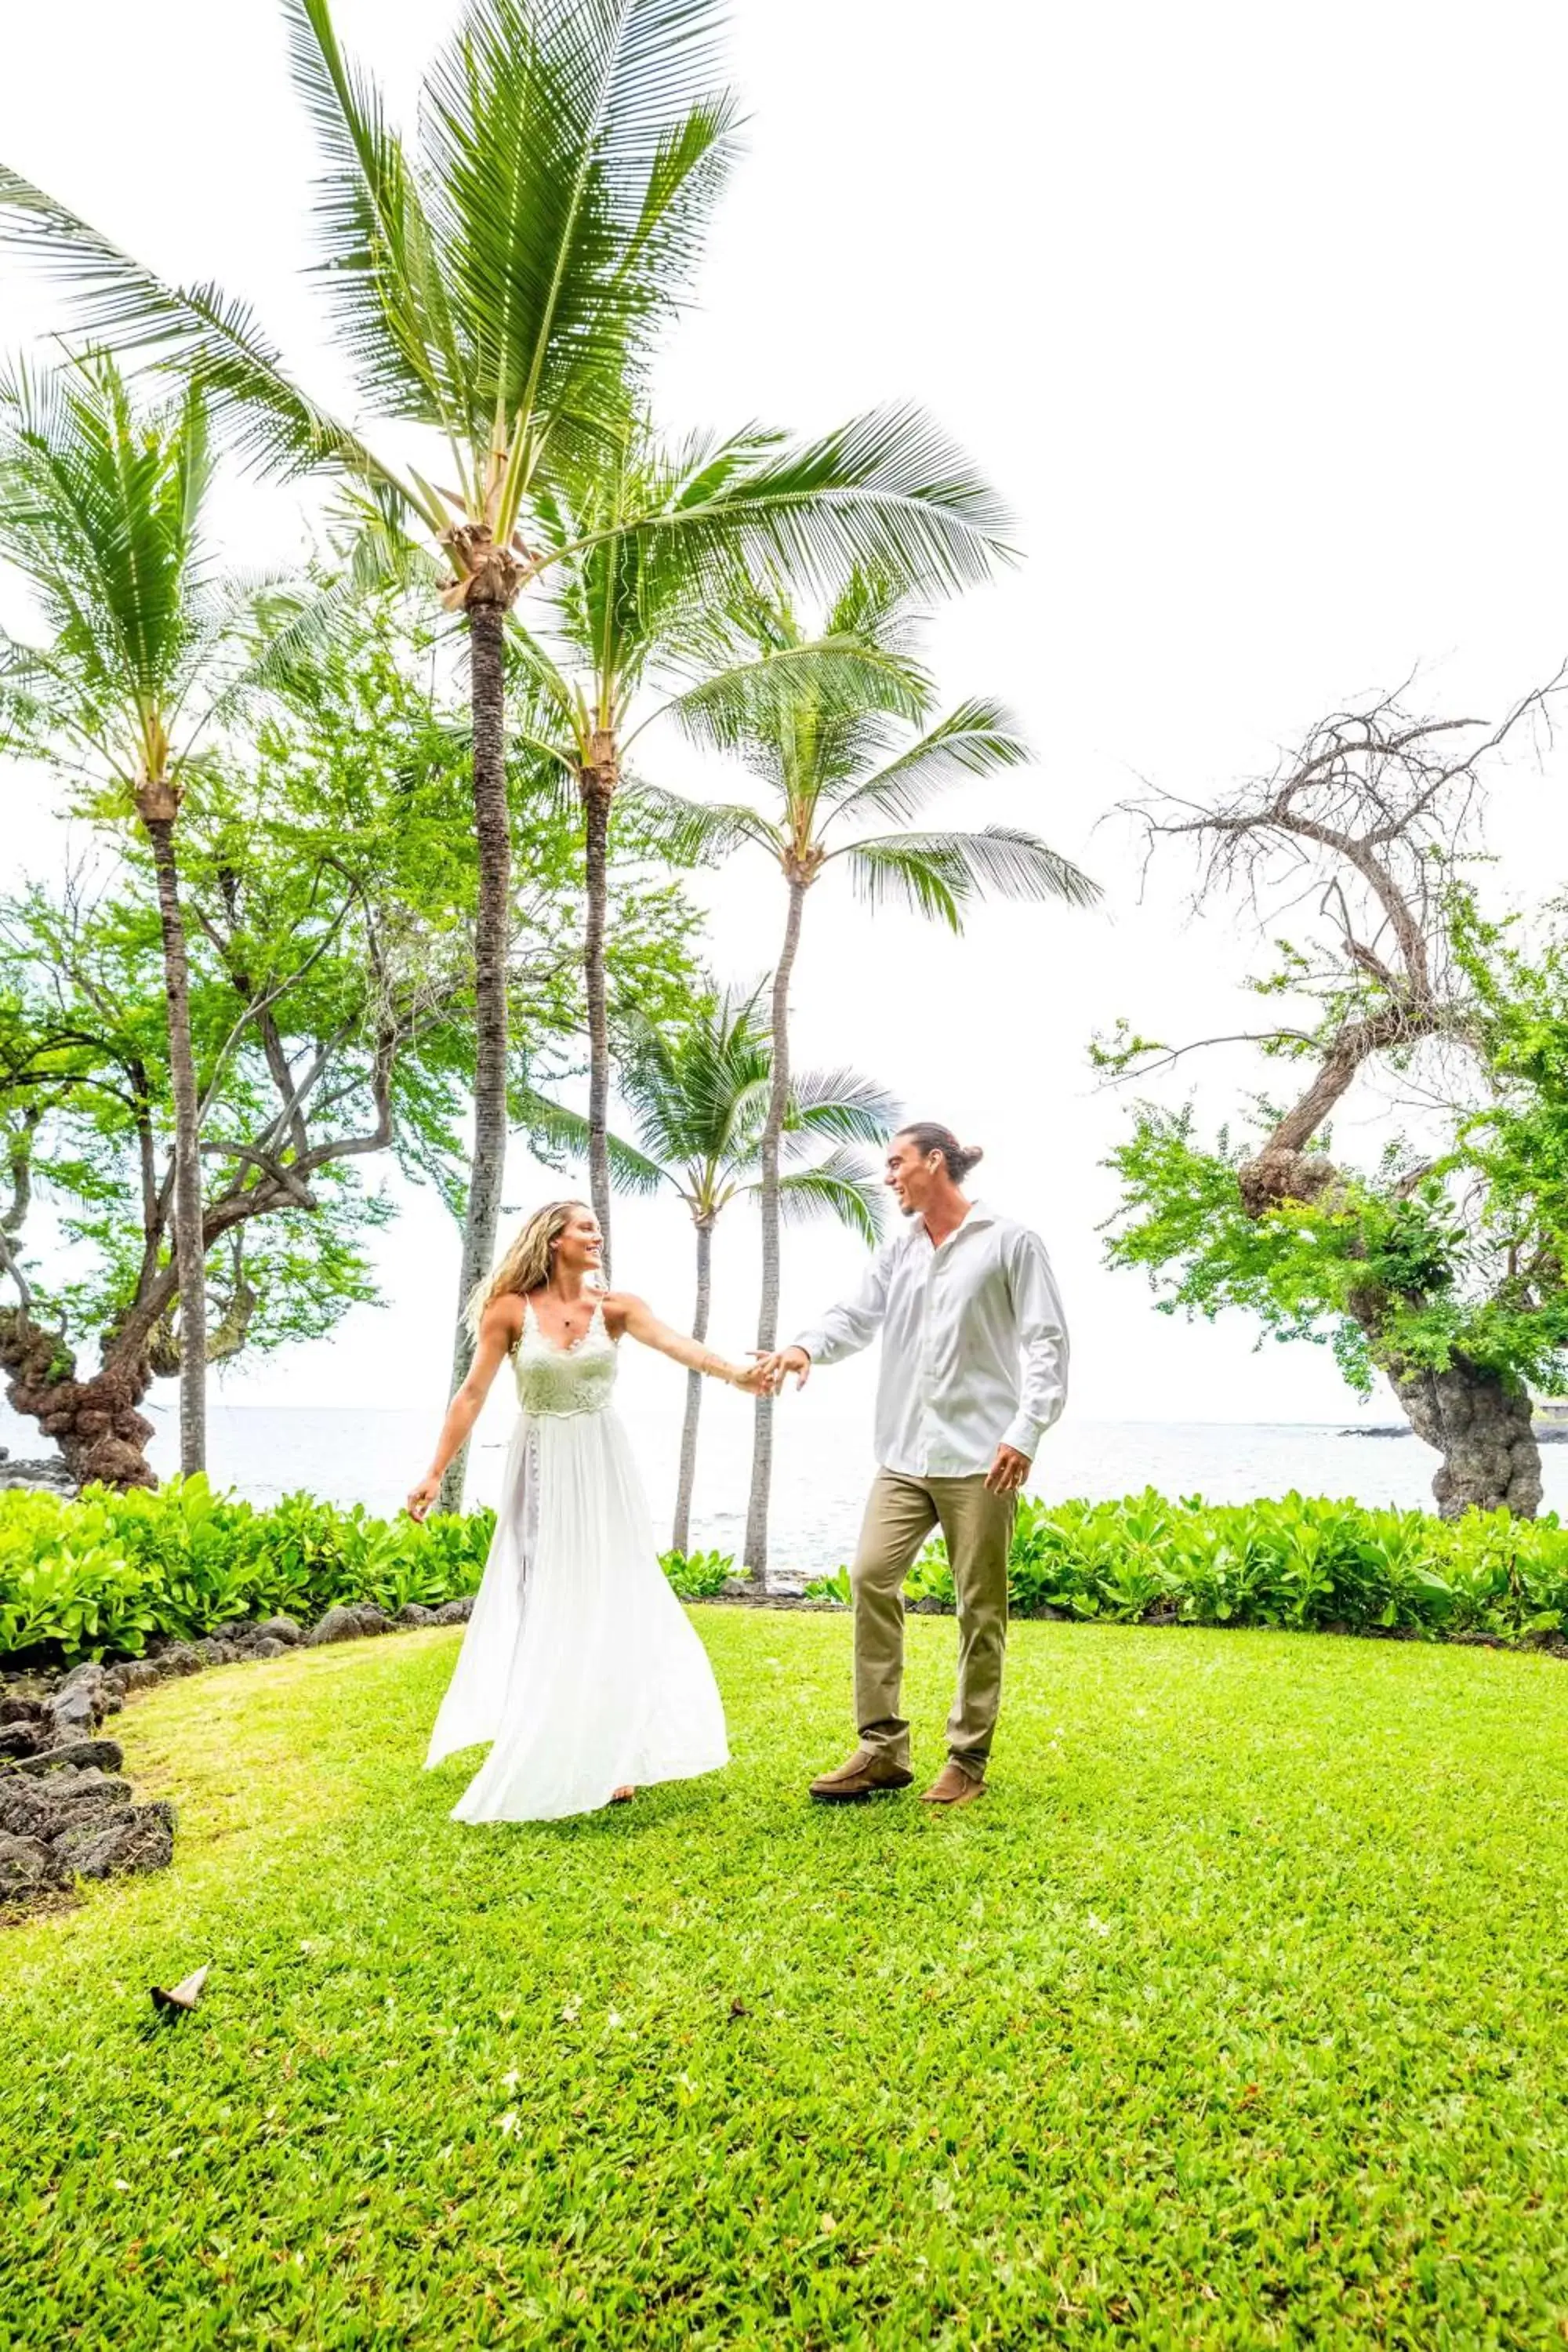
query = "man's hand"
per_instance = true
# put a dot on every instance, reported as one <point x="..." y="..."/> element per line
<point x="1009" y="1472"/>
<point x="782" y="1360"/>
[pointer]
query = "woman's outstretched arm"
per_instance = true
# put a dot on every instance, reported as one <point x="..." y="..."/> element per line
<point x="626" y="1313"/>
<point x="498" y="1335"/>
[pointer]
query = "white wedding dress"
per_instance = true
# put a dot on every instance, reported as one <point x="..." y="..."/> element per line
<point x="578" y="1663"/>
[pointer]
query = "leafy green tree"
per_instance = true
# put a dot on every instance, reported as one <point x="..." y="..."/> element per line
<point x="502" y="286"/>
<point x="101" y="511"/>
<point x="1441" y="1267"/>
<point x="699" y="1097"/>
<point x="848" y="753"/>
<point x="318" y="971"/>
<point x="329" y="884"/>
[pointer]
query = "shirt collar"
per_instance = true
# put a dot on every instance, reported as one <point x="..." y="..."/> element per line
<point x="977" y="1213"/>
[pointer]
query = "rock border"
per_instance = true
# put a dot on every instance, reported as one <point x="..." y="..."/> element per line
<point x="66" y="1810"/>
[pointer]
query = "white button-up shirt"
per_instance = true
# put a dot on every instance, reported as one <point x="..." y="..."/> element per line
<point x="974" y="1346"/>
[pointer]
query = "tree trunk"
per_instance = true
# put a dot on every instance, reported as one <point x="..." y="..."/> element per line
<point x="597" y="785"/>
<point x="101" y="1436"/>
<point x="1480" y="1424"/>
<point x="190" y="1257"/>
<point x="681" y="1534"/>
<point x="756" y="1558"/>
<point x="492" y="928"/>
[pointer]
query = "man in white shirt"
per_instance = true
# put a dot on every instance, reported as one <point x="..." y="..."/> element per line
<point x="973" y="1372"/>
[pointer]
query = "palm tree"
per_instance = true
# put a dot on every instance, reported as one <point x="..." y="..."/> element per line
<point x="699" y="1100"/>
<point x="502" y="285"/>
<point x="629" y="620"/>
<point x="845" y="741"/>
<point x="101" y="510"/>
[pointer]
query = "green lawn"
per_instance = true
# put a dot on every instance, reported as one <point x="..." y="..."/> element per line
<point x="1234" y="2016"/>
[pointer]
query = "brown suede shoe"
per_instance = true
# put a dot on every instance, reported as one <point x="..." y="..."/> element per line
<point x="952" y="1786"/>
<point x="869" y="1773"/>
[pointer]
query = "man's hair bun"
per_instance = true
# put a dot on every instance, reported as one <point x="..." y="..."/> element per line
<point x="927" y="1137"/>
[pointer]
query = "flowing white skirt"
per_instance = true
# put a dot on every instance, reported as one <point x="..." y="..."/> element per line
<point x="579" y="1661"/>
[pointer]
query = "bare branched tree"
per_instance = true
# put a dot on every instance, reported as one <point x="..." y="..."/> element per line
<point x="1371" y="821"/>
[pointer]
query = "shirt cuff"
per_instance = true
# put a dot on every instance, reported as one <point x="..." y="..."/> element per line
<point x="811" y="1343"/>
<point x="1024" y="1436"/>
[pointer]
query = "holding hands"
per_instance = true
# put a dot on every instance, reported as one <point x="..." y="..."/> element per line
<point x="771" y="1369"/>
<point x="1007" y="1472"/>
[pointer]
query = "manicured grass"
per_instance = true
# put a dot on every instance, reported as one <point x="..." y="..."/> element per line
<point x="1234" y="2016"/>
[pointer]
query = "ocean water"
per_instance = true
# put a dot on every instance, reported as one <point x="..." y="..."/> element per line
<point x="823" y="1464"/>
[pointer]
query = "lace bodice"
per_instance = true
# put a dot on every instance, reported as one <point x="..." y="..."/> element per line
<point x="555" y="1380"/>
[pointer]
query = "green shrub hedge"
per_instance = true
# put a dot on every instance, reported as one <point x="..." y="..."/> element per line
<point x="103" y="1576"/>
<point x="1301" y="1562"/>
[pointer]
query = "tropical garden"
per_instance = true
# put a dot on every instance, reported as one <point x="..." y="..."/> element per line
<point x="1235" y="2020"/>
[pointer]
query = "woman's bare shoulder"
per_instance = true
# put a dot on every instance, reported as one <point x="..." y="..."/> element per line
<point x="619" y="1306"/>
<point x="503" y="1316"/>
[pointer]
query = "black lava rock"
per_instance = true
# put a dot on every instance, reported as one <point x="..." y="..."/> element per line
<point x="140" y="1837"/>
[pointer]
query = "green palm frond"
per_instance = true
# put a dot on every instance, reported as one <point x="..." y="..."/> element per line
<point x="573" y="150"/>
<point x="284" y="631"/>
<point x="100" y="511"/>
<point x="691" y="831"/>
<point x="841" y="1187"/>
<point x="886" y="493"/>
<point x="218" y="342"/>
<point x="561" y="1129"/>
<point x="623" y="599"/>
<point x="841" y="1104"/>
<point x="379" y="261"/>
<point x="937" y="874"/>
<point x="891" y="873"/>
<point x="772" y="693"/>
<point x="541" y="694"/>
<point x="102" y="505"/>
<point x="977" y="739"/>
<point x="700" y="1100"/>
<point x="26" y="676"/>
<point x="368" y="528"/>
<point x="697" y="1096"/>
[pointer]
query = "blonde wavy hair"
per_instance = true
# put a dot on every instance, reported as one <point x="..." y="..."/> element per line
<point x="525" y="1263"/>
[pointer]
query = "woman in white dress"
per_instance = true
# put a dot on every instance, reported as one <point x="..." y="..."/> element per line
<point x="579" y="1663"/>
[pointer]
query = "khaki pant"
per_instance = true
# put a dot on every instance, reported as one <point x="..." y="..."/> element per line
<point x="978" y="1526"/>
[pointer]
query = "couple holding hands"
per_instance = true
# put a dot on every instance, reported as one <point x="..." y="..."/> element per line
<point x="579" y="1666"/>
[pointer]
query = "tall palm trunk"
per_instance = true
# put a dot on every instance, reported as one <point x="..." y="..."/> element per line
<point x="597" y="785"/>
<point x="756" y="1558"/>
<point x="487" y="1168"/>
<point x="157" y="804"/>
<point x="681" y="1534"/>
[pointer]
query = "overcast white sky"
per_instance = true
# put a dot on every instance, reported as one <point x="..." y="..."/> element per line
<point x="1254" y="317"/>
